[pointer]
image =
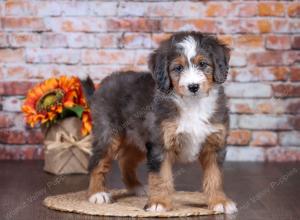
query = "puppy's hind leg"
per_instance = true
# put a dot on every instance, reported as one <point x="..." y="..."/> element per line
<point x="97" y="192"/>
<point x="129" y="159"/>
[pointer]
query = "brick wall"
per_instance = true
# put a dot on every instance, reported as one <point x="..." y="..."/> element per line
<point x="40" y="39"/>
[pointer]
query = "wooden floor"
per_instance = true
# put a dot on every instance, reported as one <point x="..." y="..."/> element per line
<point x="262" y="191"/>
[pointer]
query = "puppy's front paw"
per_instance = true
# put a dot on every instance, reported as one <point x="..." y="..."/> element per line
<point x="155" y="207"/>
<point x="227" y="207"/>
<point x="100" y="198"/>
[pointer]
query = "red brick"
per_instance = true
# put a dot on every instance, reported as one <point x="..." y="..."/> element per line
<point x="44" y="71"/>
<point x="264" y="26"/>
<point x="20" y="8"/>
<point x="273" y="58"/>
<point x="235" y="26"/>
<point x="286" y="90"/>
<point x="270" y="9"/>
<point x="108" y="40"/>
<point x="6" y="121"/>
<point x="52" y="40"/>
<point x="216" y="10"/>
<point x="245" y="90"/>
<point x="82" y="40"/>
<point x="23" y="152"/>
<point x="12" y="103"/>
<point x="276" y="73"/>
<point x="264" y="138"/>
<point x="239" y="137"/>
<point x="24" y="40"/>
<point x="283" y="154"/>
<point x="249" y="41"/>
<point x="142" y="57"/>
<point x="76" y="24"/>
<point x="296" y="42"/>
<point x="268" y="107"/>
<point x="2" y="71"/>
<point x="3" y="40"/>
<point x="12" y="137"/>
<point x="17" y="72"/>
<point x="74" y="8"/>
<point x="265" y="122"/>
<point x="190" y="8"/>
<point x="106" y="57"/>
<point x="2" y="9"/>
<point x="133" y="24"/>
<point x="260" y="74"/>
<point x="134" y="40"/>
<point x="238" y="59"/>
<point x="278" y="42"/>
<point x="257" y="106"/>
<point x="23" y="24"/>
<point x="289" y="138"/>
<point x="295" y="74"/>
<point x="158" y="38"/>
<point x="281" y="26"/>
<point x="15" y="88"/>
<point x="244" y="9"/>
<point x="99" y="72"/>
<point x="293" y="106"/>
<point x="294" y="9"/>
<point x="152" y="9"/>
<point x="63" y="56"/>
<point x="243" y="107"/>
<point x="295" y="121"/>
<point x="35" y="137"/>
<point x="11" y="55"/>
<point x="294" y="26"/>
<point x="102" y="8"/>
<point x="203" y="25"/>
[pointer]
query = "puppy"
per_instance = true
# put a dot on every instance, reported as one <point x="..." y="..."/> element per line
<point x="177" y="112"/>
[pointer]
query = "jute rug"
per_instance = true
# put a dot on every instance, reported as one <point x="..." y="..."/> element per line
<point x="125" y="205"/>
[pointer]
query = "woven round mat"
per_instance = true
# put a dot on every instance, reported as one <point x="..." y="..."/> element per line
<point x="125" y="205"/>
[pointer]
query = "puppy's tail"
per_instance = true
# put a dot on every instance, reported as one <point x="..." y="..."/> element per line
<point x="88" y="87"/>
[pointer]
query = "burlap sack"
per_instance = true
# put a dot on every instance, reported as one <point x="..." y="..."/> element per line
<point x="66" y="151"/>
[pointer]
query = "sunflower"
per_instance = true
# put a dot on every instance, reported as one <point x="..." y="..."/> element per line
<point x="54" y="99"/>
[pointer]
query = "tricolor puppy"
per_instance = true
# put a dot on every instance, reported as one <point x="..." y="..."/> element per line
<point x="177" y="112"/>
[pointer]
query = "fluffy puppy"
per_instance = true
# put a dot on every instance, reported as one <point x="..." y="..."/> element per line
<point x="177" y="112"/>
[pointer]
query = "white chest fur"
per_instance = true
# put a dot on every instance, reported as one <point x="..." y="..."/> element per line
<point x="194" y="124"/>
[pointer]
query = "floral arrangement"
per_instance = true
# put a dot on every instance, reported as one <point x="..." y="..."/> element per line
<point x="55" y="99"/>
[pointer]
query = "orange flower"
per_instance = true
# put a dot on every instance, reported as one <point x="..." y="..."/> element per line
<point x="46" y="102"/>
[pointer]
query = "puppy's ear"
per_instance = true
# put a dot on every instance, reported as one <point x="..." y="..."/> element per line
<point x="220" y="55"/>
<point x="158" y="65"/>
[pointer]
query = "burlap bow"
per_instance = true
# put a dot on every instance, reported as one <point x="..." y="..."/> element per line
<point x="64" y="141"/>
<point x="66" y="151"/>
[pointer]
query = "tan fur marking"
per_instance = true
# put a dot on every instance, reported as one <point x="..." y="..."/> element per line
<point x="97" y="177"/>
<point x="208" y="84"/>
<point x="181" y="60"/>
<point x="212" y="176"/>
<point x="217" y="139"/>
<point x="161" y="184"/>
<point x="129" y="158"/>
<point x="169" y="134"/>
<point x="197" y="59"/>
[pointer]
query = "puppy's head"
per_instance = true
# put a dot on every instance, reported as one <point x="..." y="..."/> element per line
<point x="190" y="64"/>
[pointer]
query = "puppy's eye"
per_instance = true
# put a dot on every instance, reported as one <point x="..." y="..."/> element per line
<point x="203" y="64"/>
<point x="178" y="68"/>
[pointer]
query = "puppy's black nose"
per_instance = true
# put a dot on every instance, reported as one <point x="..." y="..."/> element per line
<point x="193" y="87"/>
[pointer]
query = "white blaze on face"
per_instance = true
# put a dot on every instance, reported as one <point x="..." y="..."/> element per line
<point x="190" y="75"/>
